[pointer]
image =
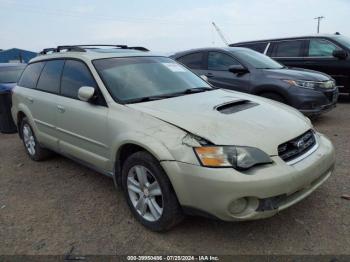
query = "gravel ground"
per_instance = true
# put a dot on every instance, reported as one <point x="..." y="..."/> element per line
<point x="51" y="207"/>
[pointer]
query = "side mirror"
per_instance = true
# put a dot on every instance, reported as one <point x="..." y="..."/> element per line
<point x="340" y="54"/>
<point x="86" y="93"/>
<point x="238" y="69"/>
<point x="204" y="77"/>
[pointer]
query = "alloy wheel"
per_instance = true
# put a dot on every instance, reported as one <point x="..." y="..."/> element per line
<point x="145" y="193"/>
<point x="29" y="139"/>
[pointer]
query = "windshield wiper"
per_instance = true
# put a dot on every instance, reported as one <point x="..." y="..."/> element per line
<point x="159" y="97"/>
<point x="198" y="90"/>
<point x="147" y="99"/>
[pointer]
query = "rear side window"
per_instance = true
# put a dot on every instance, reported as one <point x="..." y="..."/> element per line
<point x="49" y="80"/>
<point x="220" y="61"/>
<point x="288" y="49"/>
<point x="75" y="75"/>
<point x="321" y="47"/>
<point x="259" y="47"/>
<point x="194" y="61"/>
<point x="31" y="75"/>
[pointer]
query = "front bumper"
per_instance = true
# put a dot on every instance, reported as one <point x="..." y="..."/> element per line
<point x="316" y="102"/>
<point x="213" y="190"/>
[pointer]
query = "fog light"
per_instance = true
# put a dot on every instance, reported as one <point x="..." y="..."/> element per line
<point x="238" y="206"/>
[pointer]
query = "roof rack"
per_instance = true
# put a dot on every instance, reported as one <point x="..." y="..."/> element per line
<point x="83" y="48"/>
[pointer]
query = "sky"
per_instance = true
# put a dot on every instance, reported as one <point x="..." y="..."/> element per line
<point x="163" y="25"/>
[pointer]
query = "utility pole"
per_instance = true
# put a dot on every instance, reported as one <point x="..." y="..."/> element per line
<point x="220" y="34"/>
<point x="319" y="18"/>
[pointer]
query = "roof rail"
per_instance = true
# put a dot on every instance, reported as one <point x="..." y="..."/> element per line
<point x="83" y="48"/>
<point x="140" y="48"/>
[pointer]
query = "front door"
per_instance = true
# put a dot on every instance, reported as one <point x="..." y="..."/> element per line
<point x="82" y="126"/>
<point x="219" y="76"/>
<point x="320" y="58"/>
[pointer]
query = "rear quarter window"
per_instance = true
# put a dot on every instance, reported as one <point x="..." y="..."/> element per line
<point x="31" y="75"/>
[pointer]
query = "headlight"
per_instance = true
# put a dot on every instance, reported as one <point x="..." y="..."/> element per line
<point x="300" y="83"/>
<point x="231" y="156"/>
<point x="311" y="84"/>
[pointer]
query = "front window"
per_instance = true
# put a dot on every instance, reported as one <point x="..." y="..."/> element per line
<point x="321" y="47"/>
<point x="130" y="79"/>
<point x="10" y="74"/>
<point x="255" y="59"/>
<point x="220" y="62"/>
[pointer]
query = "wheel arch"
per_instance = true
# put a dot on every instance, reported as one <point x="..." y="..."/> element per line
<point x="259" y="90"/>
<point x="131" y="146"/>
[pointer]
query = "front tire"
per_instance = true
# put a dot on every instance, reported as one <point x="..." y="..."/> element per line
<point x="149" y="193"/>
<point x="31" y="145"/>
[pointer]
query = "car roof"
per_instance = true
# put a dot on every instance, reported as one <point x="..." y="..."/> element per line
<point x="334" y="36"/>
<point x="194" y="50"/>
<point x="93" y="54"/>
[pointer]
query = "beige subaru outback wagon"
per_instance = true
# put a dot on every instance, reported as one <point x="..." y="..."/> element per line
<point x="172" y="142"/>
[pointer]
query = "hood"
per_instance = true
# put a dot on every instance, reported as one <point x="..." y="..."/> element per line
<point x="264" y="124"/>
<point x="296" y="74"/>
<point x="7" y="86"/>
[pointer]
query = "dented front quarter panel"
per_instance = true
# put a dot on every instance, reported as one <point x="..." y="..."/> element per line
<point x="164" y="141"/>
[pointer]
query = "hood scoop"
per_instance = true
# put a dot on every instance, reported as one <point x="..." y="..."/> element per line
<point x="235" y="106"/>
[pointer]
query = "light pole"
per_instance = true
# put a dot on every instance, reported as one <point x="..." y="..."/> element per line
<point x="319" y="18"/>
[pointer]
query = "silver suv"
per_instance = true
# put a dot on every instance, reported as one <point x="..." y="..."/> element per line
<point x="173" y="143"/>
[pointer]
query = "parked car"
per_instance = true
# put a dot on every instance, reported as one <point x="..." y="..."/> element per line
<point x="9" y="74"/>
<point x="245" y="70"/>
<point x="326" y="53"/>
<point x="173" y="143"/>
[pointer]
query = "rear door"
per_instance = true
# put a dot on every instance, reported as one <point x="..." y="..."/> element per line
<point x="290" y="53"/>
<point x="82" y="126"/>
<point x="219" y="76"/>
<point x="40" y="98"/>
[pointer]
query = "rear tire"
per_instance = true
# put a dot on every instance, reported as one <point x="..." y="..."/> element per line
<point x="31" y="145"/>
<point x="274" y="96"/>
<point x="149" y="193"/>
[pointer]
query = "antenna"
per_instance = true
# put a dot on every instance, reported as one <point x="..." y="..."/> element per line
<point x="220" y="34"/>
<point x="319" y="18"/>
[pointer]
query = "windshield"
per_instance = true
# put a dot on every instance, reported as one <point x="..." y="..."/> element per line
<point x="256" y="59"/>
<point x="345" y="41"/>
<point x="10" y="74"/>
<point x="129" y="79"/>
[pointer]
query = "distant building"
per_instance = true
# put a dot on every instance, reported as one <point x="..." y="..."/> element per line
<point x="15" y="55"/>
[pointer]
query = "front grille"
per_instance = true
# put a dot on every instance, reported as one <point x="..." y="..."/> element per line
<point x="297" y="146"/>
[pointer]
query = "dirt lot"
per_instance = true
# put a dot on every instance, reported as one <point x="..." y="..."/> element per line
<point x="52" y="206"/>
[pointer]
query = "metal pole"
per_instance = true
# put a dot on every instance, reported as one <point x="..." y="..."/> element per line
<point x="319" y="18"/>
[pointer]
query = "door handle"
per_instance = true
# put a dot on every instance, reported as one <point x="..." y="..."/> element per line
<point x="61" y="109"/>
<point x="30" y="99"/>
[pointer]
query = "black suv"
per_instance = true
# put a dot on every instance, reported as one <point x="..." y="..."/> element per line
<point x="245" y="70"/>
<point x="326" y="53"/>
